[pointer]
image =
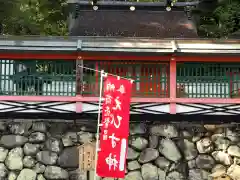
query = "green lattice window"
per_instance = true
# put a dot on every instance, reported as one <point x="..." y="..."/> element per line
<point x="58" y="78"/>
<point x="33" y="77"/>
<point x="198" y="80"/>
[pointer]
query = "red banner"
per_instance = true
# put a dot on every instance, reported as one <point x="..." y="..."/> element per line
<point x="111" y="160"/>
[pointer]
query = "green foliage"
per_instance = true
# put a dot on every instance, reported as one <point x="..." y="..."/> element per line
<point x="222" y="21"/>
<point x="35" y="17"/>
<point x="6" y="7"/>
<point x="5" y="10"/>
<point x="44" y="17"/>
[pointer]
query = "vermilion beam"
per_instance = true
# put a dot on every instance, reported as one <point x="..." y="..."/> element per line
<point x="208" y="100"/>
<point x="104" y="56"/>
<point x="121" y="57"/>
<point x="74" y="56"/>
<point x="134" y="100"/>
<point x="75" y="99"/>
<point x="202" y="58"/>
<point x="31" y="56"/>
<point x="43" y="98"/>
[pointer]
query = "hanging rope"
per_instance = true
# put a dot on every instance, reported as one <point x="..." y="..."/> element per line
<point x="105" y="73"/>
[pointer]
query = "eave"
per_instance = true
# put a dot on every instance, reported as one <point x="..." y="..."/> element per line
<point x="137" y="46"/>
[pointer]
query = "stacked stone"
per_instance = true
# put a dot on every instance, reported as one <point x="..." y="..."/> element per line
<point x="40" y="151"/>
<point x="174" y="153"/>
<point x="43" y="150"/>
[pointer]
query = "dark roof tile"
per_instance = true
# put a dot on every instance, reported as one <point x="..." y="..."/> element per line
<point x="162" y="24"/>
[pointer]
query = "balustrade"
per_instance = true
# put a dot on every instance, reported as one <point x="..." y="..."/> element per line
<point x="151" y="78"/>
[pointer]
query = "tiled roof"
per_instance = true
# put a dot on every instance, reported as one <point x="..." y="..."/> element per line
<point x="152" y="24"/>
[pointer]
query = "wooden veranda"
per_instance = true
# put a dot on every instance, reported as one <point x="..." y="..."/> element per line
<point x="171" y="76"/>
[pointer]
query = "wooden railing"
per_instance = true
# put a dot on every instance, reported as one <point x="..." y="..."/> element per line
<point x="151" y="79"/>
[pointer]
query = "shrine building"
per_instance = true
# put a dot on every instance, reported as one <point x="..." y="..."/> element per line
<point x="185" y="102"/>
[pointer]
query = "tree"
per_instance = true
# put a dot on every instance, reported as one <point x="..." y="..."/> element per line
<point x="36" y="17"/>
<point x="6" y="7"/>
<point x="220" y="21"/>
<point x="216" y="18"/>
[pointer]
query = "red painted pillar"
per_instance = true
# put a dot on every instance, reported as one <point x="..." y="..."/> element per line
<point x="173" y="85"/>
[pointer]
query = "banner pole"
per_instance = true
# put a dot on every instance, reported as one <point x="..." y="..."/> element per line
<point x="98" y="123"/>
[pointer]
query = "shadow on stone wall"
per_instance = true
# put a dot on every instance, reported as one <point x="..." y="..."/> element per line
<point x="177" y="151"/>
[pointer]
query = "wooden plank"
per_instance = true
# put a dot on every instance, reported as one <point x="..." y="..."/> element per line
<point x="87" y="156"/>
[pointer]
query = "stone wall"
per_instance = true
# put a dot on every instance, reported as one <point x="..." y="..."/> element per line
<point x="42" y="150"/>
<point x="184" y="152"/>
<point x="48" y="150"/>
